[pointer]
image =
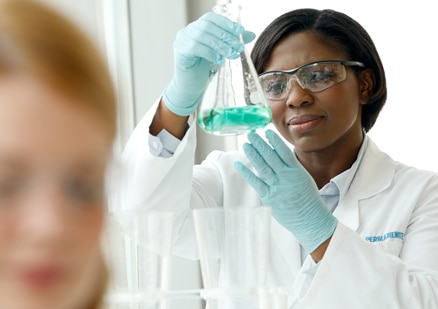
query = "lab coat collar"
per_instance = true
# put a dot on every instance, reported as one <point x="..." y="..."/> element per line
<point x="374" y="175"/>
<point x="344" y="180"/>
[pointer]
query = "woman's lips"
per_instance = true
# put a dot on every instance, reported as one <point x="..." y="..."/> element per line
<point x="42" y="277"/>
<point x="304" y="123"/>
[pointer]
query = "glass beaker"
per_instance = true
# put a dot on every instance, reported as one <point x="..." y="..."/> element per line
<point x="234" y="102"/>
<point x="138" y="250"/>
<point x="233" y="246"/>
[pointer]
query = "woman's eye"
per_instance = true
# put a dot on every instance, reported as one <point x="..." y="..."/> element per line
<point x="81" y="191"/>
<point x="320" y="76"/>
<point x="275" y="85"/>
<point x="275" y="88"/>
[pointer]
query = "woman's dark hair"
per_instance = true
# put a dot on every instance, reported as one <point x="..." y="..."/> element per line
<point x="334" y="28"/>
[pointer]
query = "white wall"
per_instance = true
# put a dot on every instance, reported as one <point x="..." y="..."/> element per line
<point x="154" y="24"/>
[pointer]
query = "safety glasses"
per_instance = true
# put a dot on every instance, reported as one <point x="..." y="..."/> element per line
<point x="312" y="77"/>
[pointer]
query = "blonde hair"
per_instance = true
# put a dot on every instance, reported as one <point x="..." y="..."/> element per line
<point x="36" y="39"/>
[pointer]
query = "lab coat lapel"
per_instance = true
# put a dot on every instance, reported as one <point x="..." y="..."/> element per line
<point x="374" y="175"/>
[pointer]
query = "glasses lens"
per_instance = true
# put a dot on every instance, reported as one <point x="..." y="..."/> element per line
<point x="320" y="76"/>
<point x="314" y="77"/>
<point x="274" y="85"/>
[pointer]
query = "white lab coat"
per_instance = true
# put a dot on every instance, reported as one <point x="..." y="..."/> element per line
<point x="384" y="197"/>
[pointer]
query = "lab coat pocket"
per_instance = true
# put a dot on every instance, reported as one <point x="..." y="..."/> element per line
<point x="392" y="246"/>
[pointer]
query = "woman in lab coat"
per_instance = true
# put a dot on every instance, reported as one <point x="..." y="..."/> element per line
<point x="352" y="228"/>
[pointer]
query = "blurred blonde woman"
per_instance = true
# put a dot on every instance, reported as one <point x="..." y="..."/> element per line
<point x="57" y="127"/>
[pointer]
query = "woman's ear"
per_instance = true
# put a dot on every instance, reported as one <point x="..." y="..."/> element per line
<point x="366" y="85"/>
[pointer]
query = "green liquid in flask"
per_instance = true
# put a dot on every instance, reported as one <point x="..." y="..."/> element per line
<point x="234" y="120"/>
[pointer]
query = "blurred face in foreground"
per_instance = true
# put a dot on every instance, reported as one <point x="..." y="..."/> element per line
<point x="53" y="156"/>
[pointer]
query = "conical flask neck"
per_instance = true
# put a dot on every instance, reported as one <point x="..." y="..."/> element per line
<point x="228" y="9"/>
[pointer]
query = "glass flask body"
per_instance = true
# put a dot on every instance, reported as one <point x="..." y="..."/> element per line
<point x="233" y="102"/>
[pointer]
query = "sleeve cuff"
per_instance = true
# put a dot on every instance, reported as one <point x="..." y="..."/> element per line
<point x="163" y="145"/>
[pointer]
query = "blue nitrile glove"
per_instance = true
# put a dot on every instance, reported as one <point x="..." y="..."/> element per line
<point x="198" y="48"/>
<point x="288" y="188"/>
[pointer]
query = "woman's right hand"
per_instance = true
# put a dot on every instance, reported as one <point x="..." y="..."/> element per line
<point x="198" y="48"/>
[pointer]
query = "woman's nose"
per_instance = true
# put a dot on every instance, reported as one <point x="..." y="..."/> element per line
<point x="296" y="95"/>
<point x="45" y="215"/>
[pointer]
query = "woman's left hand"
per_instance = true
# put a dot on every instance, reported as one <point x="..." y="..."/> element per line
<point x="284" y="185"/>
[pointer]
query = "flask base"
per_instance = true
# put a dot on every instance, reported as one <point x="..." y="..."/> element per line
<point x="234" y="120"/>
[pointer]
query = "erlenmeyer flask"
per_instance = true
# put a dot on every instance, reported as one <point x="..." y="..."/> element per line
<point x="233" y="102"/>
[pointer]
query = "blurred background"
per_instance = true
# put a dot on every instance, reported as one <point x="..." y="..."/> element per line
<point x="137" y="36"/>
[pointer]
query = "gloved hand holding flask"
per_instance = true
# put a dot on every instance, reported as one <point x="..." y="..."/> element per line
<point x="197" y="49"/>
<point x="287" y="187"/>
